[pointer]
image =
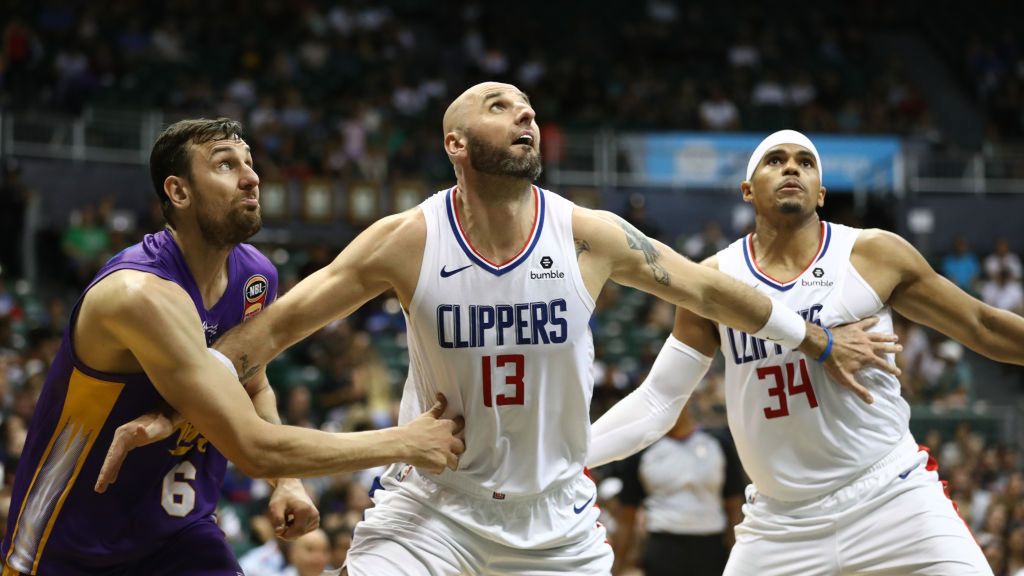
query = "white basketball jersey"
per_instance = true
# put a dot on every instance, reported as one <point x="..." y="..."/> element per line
<point x="510" y="347"/>
<point x="799" y="434"/>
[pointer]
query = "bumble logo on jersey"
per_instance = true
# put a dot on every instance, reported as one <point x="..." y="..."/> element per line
<point x="547" y="273"/>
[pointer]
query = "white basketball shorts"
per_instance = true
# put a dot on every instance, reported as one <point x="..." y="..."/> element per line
<point x="418" y="527"/>
<point x="895" y="519"/>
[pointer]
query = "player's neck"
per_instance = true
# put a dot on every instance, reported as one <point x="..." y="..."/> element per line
<point x="207" y="263"/>
<point x="787" y="245"/>
<point x="497" y="214"/>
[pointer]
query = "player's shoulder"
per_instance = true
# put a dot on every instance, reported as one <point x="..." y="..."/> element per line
<point x="593" y="224"/>
<point x="876" y="243"/>
<point x="131" y="293"/>
<point x="398" y="235"/>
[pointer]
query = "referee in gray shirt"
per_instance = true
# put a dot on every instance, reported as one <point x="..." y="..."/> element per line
<point x="690" y="484"/>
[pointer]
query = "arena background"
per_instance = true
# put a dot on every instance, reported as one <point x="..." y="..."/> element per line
<point x="648" y="109"/>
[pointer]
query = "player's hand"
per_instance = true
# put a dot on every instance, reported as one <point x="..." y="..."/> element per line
<point x="434" y="442"/>
<point x="854" y="349"/>
<point x="291" y="511"/>
<point x="146" y="429"/>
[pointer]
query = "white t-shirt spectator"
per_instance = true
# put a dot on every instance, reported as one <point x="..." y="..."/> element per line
<point x="1008" y="261"/>
<point x="1006" y="295"/>
<point x="720" y="114"/>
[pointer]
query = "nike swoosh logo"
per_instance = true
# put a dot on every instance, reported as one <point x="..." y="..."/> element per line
<point x="446" y="273"/>
<point x="583" y="507"/>
<point x="907" y="473"/>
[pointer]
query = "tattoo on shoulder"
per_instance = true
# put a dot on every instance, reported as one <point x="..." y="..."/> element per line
<point x="581" y="247"/>
<point x="248" y="370"/>
<point x="637" y="241"/>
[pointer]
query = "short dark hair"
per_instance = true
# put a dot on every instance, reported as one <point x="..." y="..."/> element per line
<point x="170" y="156"/>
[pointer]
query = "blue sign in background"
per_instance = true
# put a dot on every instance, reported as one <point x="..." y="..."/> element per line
<point x="701" y="159"/>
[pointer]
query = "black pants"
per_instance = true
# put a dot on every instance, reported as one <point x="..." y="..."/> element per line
<point x="684" y="555"/>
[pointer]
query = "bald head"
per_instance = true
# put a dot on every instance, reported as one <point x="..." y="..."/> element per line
<point x="458" y="111"/>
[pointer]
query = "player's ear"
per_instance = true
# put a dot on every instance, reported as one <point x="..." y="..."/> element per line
<point x="747" y="189"/>
<point x="177" y="190"/>
<point x="821" y="197"/>
<point x="454" y="144"/>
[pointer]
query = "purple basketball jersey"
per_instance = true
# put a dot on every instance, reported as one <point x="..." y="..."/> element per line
<point x="57" y="523"/>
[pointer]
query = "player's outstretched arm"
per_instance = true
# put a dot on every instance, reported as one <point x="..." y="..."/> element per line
<point x="364" y="269"/>
<point x="632" y="259"/>
<point x="902" y="277"/>
<point x="155" y="321"/>
<point x="648" y="412"/>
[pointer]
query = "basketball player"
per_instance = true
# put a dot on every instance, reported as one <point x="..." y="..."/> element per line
<point x="139" y="336"/>
<point x="498" y="280"/>
<point x="839" y="486"/>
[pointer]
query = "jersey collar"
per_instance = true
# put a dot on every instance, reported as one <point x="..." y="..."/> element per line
<point x="476" y="257"/>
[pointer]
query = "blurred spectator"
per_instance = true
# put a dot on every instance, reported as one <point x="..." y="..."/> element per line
<point x="707" y="243"/>
<point x="308" y="555"/>
<point x="14" y="197"/>
<point x="266" y="559"/>
<point x="717" y="112"/>
<point x="341" y="541"/>
<point x="952" y="386"/>
<point x="961" y="265"/>
<point x="85" y="242"/>
<point x="690" y="485"/>
<point x="1003" y="291"/>
<point x="636" y="214"/>
<point x="1003" y="259"/>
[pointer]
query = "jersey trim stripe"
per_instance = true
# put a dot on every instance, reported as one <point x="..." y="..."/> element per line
<point x="476" y="257"/>
<point x="749" y="258"/>
<point x="87" y="406"/>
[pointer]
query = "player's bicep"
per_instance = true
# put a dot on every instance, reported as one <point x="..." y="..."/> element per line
<point x="156" y="321"/>
<point x="926" y="297"/>
<point x="640" y="262"/>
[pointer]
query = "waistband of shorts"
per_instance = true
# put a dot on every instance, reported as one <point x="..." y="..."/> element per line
<point x="456" y="483"/>
<point x="905" y="449"/>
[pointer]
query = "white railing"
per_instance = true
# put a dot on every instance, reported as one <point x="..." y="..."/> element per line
<point x="599" y="159"/>
<point x="94" y="136"/>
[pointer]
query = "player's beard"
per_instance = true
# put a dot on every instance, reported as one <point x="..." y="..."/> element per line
<point x="498" y="161"/>
<point x="791" y="207"/>
<point x="228" y="229"/>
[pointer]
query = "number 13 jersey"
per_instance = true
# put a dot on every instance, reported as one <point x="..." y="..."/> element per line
<point x="510" y="347"/>
<point x="799" y="434"/>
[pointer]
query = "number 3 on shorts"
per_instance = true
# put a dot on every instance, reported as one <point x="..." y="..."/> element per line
<point x="178" y="497"/>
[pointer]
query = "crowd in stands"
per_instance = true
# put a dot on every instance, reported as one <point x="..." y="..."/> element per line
<point x="356" y="91"/>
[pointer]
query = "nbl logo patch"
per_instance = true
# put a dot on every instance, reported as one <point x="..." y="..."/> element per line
<point x="255" y="295"/>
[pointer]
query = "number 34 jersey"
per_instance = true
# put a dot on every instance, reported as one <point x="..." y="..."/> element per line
<point x="799" y="434"/>
<point x="510" y="347"/>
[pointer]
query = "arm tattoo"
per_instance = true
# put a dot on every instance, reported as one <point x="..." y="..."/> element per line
<point x="247" y="370"/>
<point x="581" y="247"/>
<point x="637" y="241"/>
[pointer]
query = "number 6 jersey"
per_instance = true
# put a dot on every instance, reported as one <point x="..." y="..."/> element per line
<point x="57" y="523"/>
<point x="509" y="345"/>
<point x="798" y="433"/>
